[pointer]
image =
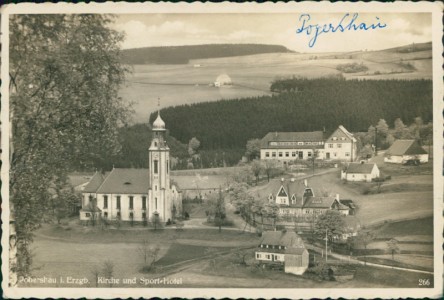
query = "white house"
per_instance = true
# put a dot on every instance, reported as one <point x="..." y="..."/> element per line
<point x="283" y="248"/>
<point x="402" y="151"/>
<point x="288" y="146"/>
<point x="135" y="194"/>
<point x="360" y="172"/>
<point x="341" y="145"/>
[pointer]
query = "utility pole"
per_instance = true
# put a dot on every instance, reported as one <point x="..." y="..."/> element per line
<point x="376" y="141"/>
<point x="326" y="239"/>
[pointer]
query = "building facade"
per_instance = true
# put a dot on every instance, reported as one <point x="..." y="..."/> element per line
<point x="290" y="146"/>
<point x="360" y="172"/>
<point x="135" y="194"/>
<point x="283" y="248"/>
<point x="294" y="200"/>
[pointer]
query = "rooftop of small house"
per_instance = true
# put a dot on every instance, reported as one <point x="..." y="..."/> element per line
<point x="360" y="168"/>
<point x="283" y="238"/>
<point x="405" y="147"/>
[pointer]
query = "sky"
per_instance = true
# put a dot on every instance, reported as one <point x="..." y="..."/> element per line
<point x="147" y="30"/>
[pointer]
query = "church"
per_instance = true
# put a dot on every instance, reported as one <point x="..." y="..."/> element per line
<point x="135" y="195"/>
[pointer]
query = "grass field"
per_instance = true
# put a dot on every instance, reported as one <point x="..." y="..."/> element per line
<point x="252" y="75"/>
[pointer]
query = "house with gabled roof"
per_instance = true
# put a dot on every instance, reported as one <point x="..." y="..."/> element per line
<point x="361" y="171"/>
<point x="341" y="145"/>
<point x="284" y="248"/>
<point x="402" y="151"/>
<point x="135" y="194"/>
<point x="296" y="198"/>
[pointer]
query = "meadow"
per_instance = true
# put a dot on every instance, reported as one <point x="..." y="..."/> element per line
<point x="252" y="75"/>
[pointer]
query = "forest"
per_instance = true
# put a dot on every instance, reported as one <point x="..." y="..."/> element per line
<point x="300" y="105"/>
<point x="223" y="128"/>
<point x="183" y="54"/>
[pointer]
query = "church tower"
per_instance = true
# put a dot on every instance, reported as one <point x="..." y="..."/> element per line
<point x="160" y="190"/>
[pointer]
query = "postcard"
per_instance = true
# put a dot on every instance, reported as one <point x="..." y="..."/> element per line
<point x="212" y="150"/>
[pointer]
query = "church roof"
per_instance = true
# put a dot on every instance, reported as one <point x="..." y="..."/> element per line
<point x="94" y="183"/>
<point x="126" y="181"/>
<point x="405" y="147"/>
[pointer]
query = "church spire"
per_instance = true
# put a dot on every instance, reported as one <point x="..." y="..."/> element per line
<point x="158" y="124"/>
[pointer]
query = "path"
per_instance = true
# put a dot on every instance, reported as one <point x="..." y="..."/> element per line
<point x="353" y="260"/>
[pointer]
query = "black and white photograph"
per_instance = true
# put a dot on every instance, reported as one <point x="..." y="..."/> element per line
<point x="222" y="150"/>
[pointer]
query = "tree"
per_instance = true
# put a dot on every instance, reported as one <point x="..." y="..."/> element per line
<point x="65" y="74"/>
<point x="193" y="149"/>
<point x="393" y="247"/>
<point x="364" y="238"/>
<point x="269" y="167"/>
<point x="331" y="223"/>
<point x="272" y="212"/>
<point x="256" y="168"/>
<point x="216" y="209"/>
<point x="108" y="270"/>
<point x="253" y="149"/>
<point x="95" y="271"/>
<point x="400" y="130"/>
<point x="241" y="255"/>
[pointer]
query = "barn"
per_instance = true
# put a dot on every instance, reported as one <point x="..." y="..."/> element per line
<point x="403" y="151"/>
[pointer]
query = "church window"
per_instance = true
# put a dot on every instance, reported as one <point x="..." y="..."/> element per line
<point x="156" y="166"/>
<point x="131" y="202"/>
<point x="167" y="166"/>
<point x="144" y="216"/>
<point x="155" y="187"/>
<point x="155" y="203"/>
<point x="143" y="202"/>
<point x="105" y="215"/>
<point x="105" y="201"/>
<point x="118" y="202"/>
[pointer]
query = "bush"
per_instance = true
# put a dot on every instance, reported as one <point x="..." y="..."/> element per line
<point x="322" y="270"/>
<point x="352" y="68"/>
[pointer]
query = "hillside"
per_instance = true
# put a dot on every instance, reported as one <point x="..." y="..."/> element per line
<point x="183" y="54"/>
<point x="308" y="105"/>
<point x="252" y="75"/>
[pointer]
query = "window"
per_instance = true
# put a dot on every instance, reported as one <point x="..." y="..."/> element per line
<point x="287" y="154"/>
<point x="131" y="202"/>
<point x="155" y="203"/>
<point x="280" y="154"/>
<point x="335" y="138"/>
<point x="143" y="202"/>
<point x="144" y="216"/>
<point x="293" y="153"/>
<point x="268" y="256"/>
<point x="330" y="145"/>
<point x="167" y="166"/>
<point x="273" y="154"/>
<point x="258" y="255"/>
<point x="156" y="166"/>
<point x="87" y="215"/>
<point x="267" y="154"/>
<point x="105" y="201"/>
<point x="309" y="154"/>
<point x="118" y="202"/>
<point x="105" y="215"/>
<point x="339" y="145"/>
<point x="347" y="153"/>
<point x="300" y="143"/>
<point x="118" y="214"/>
